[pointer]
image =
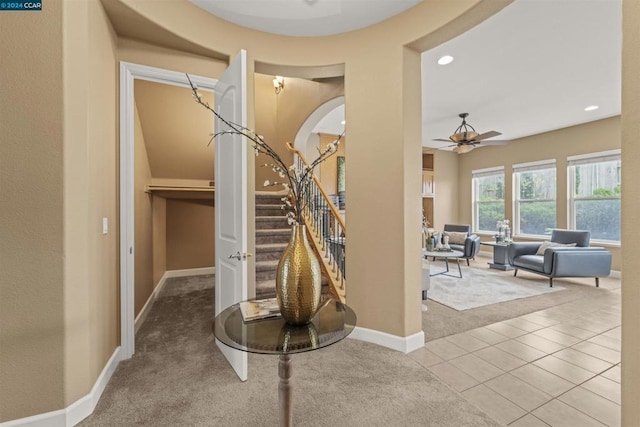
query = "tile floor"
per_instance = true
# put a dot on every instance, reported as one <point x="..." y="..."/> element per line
<point x="555" y="367"/>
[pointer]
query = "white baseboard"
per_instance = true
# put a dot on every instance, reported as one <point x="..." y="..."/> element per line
<point x="616" y="274"/>
<point x="139" y="320"/>
<point x="77" y="411"/>
<point x="394" y="342"/>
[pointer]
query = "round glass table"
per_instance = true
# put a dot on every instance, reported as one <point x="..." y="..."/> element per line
<point x="333" y="322"/>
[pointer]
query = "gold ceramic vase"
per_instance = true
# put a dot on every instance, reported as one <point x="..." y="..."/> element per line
<point x="298" y="283"/>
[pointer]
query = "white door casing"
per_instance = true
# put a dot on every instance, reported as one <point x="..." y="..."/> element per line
<point x="128" y="73"/>
<point x="230" y="174"/>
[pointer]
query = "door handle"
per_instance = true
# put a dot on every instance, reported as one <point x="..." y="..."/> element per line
<point x="240" y="256"/>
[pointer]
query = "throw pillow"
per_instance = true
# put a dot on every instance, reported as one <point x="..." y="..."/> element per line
<point x="456" y="238"/>
<point x="545" y="245"/>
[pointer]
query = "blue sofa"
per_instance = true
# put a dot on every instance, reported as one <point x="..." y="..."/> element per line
<point x="579" y="260"/>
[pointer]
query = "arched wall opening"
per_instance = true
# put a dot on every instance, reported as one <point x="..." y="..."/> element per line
<point x="301" y="141"/>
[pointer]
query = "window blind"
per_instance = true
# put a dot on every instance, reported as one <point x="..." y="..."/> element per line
<point x="605" y="156"/>
<point x="534" y="166"/>
<point x="482" y="173"/>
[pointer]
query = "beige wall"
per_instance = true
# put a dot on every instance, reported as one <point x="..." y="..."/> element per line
<point x="329" y="168"/>
<point x="190" y="234"/>
<point x="447" y="205"/>
<point x="58" y="177"/>
<point x="177" y="132"/>
<point x="31" y="213"/>
<point x="91" y="272"/>
<point x="392" y="149"/>
<point x="144" y="282"/>
<point x="279" y="116"/>
<point x="156" y="56"/>
<point x="630" y="124"/>
<point x="159" y="211"/>
<point x="592" y="137"/>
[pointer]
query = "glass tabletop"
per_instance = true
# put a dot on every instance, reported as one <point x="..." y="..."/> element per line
<point x="442" y="254"/>
<point x="333" y="322"/>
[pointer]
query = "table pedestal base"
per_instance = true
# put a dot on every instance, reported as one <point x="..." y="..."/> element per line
<point x="285" y="386"/>
<point x="500" y="258"/>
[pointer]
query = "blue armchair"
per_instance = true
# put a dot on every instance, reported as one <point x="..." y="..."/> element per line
<point x="568" y="254"/>
<point x="469" y="246"/>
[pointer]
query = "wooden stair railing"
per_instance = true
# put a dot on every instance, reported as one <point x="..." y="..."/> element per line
<point x="327" y="231"/>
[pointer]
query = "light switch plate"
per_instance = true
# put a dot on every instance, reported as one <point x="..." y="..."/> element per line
<point x="105" y="225"/>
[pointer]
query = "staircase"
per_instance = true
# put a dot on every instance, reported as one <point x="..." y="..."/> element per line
<point x="272" y="237"/>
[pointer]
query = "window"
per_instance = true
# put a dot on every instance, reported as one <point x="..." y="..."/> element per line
<point x="534" y="197"/>
<point x="594" y="194"/>
<point x="488" y="198"/>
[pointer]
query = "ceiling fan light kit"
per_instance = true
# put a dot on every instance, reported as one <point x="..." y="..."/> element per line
<point x="463" y="136"/>
<point x="462" y="131"/>
<point x="466" y="137"/>
<point x="463" y="148"/>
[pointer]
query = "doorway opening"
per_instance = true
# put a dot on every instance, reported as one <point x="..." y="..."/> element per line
<point x="129" y="73"/>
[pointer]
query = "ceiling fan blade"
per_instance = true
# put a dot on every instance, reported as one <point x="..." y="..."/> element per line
<point x="443" y="140"/>
<point x="495" y="142"/>
<point x="486" y="135"/>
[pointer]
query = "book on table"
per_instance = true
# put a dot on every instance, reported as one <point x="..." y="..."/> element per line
<point x="259" y="309"/>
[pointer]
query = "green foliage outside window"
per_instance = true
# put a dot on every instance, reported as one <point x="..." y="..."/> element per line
<point x="596" y="198"/>
<point x="489" y="214"/>
<point x="490" y="201"/>
<point x="601" y="217"/>
<point x="539" y="184"/>
<point x="605" y="192"/>
<point x="537" y="217"/>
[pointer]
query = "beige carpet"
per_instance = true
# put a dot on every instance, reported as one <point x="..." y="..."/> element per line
<point x="179" y="378"/>
<point x="441" y="321"/>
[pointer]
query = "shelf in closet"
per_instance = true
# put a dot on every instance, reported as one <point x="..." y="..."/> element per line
<point x="181" y="192"/>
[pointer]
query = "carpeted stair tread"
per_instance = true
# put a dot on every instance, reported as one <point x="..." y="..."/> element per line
<point x="270" y="251"/>
<point x="270" y="246"/>
<point x="286" y="231"/>
<point x="268" y="205"/>
<point x="269" y="209"/>
<point x="272" y="222"/>
<point x="271" y="236"/>
<point x="270" y="217"/>
<point x="266" y="288"/>
<point x="271" y="264"/>
<point x="268" y="199"/>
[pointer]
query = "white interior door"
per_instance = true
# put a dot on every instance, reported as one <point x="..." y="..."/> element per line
<point x="231" y="199"/>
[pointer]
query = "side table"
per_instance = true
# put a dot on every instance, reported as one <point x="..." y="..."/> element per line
<point x="333" y="322"/>
<point x="500" y="259"/>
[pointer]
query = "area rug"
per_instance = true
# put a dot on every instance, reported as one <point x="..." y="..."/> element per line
<point x="482" y="286"/>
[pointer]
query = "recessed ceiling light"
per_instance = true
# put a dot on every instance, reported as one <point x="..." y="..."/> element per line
<point x="591" y="108"/>
<point x="444" y="60"/>
<point x="343" y="122"/>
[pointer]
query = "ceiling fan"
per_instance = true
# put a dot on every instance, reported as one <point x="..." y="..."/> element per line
<point x="466" y="137"/>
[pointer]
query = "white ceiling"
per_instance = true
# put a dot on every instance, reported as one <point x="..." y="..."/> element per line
<point x="531" y="68"/>
<point x="305" y="17"/>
